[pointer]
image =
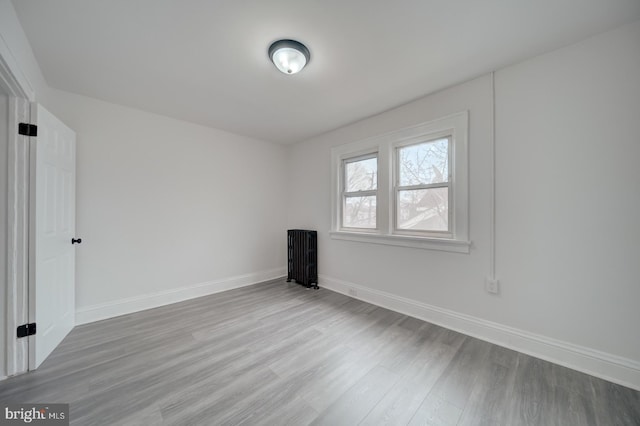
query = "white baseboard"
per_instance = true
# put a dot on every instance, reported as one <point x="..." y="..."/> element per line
<point x="143" y="302"/>
<point x="610" y="367"/>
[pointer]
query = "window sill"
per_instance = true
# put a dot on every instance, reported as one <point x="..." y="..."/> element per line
<point x="455" y="246"/>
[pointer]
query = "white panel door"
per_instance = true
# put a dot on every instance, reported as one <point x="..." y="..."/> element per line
<point x="52" y="254"/>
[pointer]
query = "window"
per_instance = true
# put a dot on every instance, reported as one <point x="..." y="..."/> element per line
<point x="422" y="188"/>
<point x="360" y="191"/>
<point x="406" y="188"/>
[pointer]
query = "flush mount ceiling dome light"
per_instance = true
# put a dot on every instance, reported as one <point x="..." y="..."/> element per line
<point x="289" y="56"/>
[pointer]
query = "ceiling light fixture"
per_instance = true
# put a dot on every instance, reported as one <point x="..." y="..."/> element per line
<point x="289" y="56"/>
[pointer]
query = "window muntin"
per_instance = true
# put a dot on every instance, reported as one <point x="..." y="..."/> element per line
<point x="423" y="188"/>
<point x="360" y="192"/>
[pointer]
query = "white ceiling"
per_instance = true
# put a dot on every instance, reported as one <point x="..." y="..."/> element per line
<point x="205" y="61"/>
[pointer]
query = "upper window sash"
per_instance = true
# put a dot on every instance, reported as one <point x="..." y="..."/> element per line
<point x="350" y="160"/>
<point x="419" y="141"/>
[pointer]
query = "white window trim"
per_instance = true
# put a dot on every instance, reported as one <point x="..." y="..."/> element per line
<point x="456" y="126"/>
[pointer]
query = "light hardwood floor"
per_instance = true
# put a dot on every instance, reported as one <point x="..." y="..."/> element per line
<point x="277" y="354"/>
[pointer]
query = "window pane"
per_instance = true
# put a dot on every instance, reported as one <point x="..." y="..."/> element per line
<point x="359" y="212"/>
<point x="424" y="163"/>
<point x="361" y="175"/>
<point x="424" y="209"/>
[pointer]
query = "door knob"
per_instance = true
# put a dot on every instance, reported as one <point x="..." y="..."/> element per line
<point x="76" y="240"/>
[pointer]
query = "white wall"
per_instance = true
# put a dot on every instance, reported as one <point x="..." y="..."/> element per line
<point x="567" y="236"/>
<point x="568" y="193"/>
<point x="4" y="121"/>
<point x="433" y="276"/>
<point x="163" y="204"/>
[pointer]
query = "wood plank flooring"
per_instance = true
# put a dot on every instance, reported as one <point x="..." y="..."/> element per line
<point x="278" y="354"/>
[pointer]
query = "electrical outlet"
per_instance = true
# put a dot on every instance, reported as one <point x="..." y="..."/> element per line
<point x="492" y="286"/>
<point x="353" y="292"/>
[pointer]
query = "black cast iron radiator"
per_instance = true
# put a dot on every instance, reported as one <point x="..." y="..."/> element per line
<point x="302" y="255"/>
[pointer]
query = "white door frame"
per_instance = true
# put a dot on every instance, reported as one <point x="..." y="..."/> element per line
<point x="21" y="93"/>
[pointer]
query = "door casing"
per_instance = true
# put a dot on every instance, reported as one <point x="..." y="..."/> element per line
<point x="21" y="93"/>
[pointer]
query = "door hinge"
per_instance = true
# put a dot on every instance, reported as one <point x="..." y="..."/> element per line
<point x="27" y="330"/>
<point x="27" y="129"/>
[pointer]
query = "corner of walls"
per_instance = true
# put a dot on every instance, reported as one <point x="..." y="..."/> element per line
<point x="167" y="209"/>
<point x="18" y="50"/>
<point x="200" y="175"/>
